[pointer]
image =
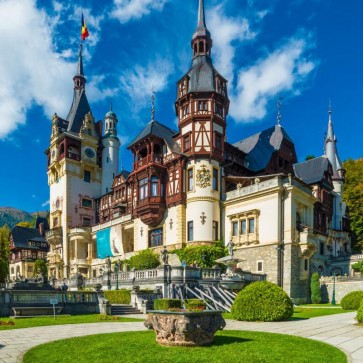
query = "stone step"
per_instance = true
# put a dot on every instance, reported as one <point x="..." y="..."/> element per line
<point x="118" y="309"/>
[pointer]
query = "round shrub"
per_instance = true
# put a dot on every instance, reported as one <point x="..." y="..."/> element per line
<point x="360" y="313"/>
<point x="352" y="300"/>
<point x="262" y="301"/>
<point x="144" y="260"/>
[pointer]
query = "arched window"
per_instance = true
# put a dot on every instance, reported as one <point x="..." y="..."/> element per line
<point x="201" y="47"/>
<point x="154" y="186"/>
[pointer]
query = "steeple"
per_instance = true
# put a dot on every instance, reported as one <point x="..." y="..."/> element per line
<point x="331" y="151"/>
<point x="80" y="106"/>
<point x="202" y="41"/>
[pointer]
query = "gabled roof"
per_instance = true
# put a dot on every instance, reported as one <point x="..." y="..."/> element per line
<point x="125" y="174"/>
<point x="79" y="109"/>
<point x="22" y="235"/>
<point x="159" y="130"/>
<point x="312" y="171"/>
<point x="260" y="147"/>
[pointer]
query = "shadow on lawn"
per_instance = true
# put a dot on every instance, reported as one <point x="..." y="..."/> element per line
<point x="225" y="340"/>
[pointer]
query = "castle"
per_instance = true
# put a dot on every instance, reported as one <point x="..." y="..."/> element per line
<point x="190" y="186"/>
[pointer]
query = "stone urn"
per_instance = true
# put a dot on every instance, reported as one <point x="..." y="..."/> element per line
<point x="185" y="328"/>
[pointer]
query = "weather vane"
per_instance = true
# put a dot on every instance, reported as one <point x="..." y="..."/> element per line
<point x="152" y="103"/>
<point x="278" y="110"/>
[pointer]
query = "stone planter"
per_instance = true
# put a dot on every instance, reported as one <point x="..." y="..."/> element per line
<point x="185" y="328"/>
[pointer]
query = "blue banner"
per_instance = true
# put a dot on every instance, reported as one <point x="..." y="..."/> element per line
<point x="103" y="243"/>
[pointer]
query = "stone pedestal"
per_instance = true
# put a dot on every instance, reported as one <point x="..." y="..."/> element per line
<point x="185" y="328"/>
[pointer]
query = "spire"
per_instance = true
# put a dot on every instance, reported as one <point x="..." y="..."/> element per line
<point x="278" y="110"/>
<point x="80" y="62"/>
<point x="153" y="103"/>
<point x="202" y="41"/>
<point x="80" y="106"/>
<point x="331" y="150"/>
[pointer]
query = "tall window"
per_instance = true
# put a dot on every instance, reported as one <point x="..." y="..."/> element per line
<point x="243" y="226"/>
<point x="143" y="189"/>
<point x="186" y="142"/>
<point x="202" y="106"/>
<point x="86" y="203"/>
<point x="87" y="176"/>
<point x="156" y="237"/>
<point x="215" y="179"/>
<point x="154" y="186"/>
<point x="190" y="180"/>
<point x="215" y="230"/>
<point x="190" y="231"/>
<point x="218" y="141"/>
<point x="259" y="266"/>
<point x="251" y="225"/>
<point x="321" y="248"/>
<point x="235" y="228"/>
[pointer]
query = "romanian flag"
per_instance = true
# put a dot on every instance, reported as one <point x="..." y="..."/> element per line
<point x="84" y="31"/>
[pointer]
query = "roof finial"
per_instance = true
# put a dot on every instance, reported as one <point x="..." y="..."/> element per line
<point x="201" y="14"/>
<point x="152" y="103"/>
<point x="110" y="106"/>
<point x="278" y="110"/>
<point x="80" y="61"/>
<point x="330" y="111"/>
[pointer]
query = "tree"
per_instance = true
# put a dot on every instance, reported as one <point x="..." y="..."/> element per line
<point x="4" y="253"/>
<point x="315" y="288"/>
<point x="25" y="224"/>
<point x="40" y="268"/>
<point x="309" y="157"/>
<point x="353" y="196"/>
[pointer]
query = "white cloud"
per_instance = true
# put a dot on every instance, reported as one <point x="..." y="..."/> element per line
<point x="46" y="203"/>
<point x="280" y="71"/>
<point x="29" y="67"/>
<point x="227" y="31"/>
<point x="138" y="82"/>
<point x="126" y="10"/>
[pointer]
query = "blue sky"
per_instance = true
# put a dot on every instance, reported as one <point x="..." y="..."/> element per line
<point x="306" y="51"/>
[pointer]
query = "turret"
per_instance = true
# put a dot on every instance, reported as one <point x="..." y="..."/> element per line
<point x="110" y="153"/>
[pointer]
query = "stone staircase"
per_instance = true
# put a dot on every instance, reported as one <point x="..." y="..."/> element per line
<point x="122" y="309"/>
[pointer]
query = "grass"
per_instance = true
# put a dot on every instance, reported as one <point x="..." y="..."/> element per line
<point x="308" y="311"/>
<point x="61" y="320"/>
<point x="140" y="347"/>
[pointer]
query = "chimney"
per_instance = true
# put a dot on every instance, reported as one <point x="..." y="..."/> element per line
<point x="41" y="229"/>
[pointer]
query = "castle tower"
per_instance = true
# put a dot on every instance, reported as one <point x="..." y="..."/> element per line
<point x="110" y="153"/>
<point x="202" y="107"/>
<point x="331" y="152"/>
<point x="74" y="177"/>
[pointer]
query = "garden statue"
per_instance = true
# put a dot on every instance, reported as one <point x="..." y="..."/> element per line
<point x="164" y="256"/>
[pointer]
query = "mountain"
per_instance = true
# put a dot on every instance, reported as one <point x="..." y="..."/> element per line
<point x="12" y="216"/>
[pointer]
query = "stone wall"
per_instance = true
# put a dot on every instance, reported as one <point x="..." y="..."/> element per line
<point x="343" y="286"/>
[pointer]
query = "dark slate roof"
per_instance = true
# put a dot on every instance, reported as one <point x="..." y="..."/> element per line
<point x="159" y="130"/>
<point x="43" y="220"/>
<point x="312" y="171"/>
<point x="21" y="236"/>
<point x="201" y="27"/>
<point x="79" y="109"/>
<point x="202" y="75"/>
<point x="260" y="147"/>
<point x="125" y="174"/>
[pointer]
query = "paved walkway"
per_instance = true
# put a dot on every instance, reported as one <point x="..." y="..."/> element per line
<point x="338" y="330"/>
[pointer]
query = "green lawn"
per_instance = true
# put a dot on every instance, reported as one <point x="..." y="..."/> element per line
<point x="60" y="320"/>
<point x="308" y="311"/>
<point x="139" y="347"/>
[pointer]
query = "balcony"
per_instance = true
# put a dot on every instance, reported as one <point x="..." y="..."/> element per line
<point x="152" y="158"/>
<point x="54" y="236"/>
<point x="151" y="210"/>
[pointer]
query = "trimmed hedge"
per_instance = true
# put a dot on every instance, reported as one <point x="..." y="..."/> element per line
<point x="166" y="304"/>
<point x="352" y="301"/>
<point x="144" y="260"/>
<point x="315" y="288"/>
<point x="360" y="313"/>
<point x="195" y="304"/>
<point x="118" y="296"/>
<point x="262" y="301"/>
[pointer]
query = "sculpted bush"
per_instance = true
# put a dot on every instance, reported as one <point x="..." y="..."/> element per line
<point x="262" y="301"/>
<point x="352" y="301"/>
<point x="360" y="313"/>
<point x="144" y="260"/>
